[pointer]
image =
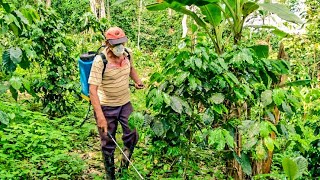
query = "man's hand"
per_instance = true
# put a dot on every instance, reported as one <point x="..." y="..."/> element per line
<point x="139" y="86"/>
<point x="102" y="124"/>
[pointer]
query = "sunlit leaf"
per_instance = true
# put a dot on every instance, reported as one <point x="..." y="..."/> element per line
<point x="158" y="128"/>
<point x="302" y="165"/>
<point x="15" y="82"/>
<point x="268" y="141"/>
<point x="15" y="55"/>
<point x="282" y="11"/>
<point x="217" y="98"/>
<point x="278" y="96"/>
<point x="262" y="51"/>
<point x="266" y="97"/>
<point x="260" y="151"/>
<point x="176" y="104"/>
<point x="290" y="168"/>
<point x="212" y="13"/>
<point x="229" y="138"/>
<point x="249" y="7"/>
<point x="3" y="118"/>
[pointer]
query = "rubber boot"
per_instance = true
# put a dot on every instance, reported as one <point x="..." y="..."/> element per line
<point x="109" y="166"/>
<point x="124" y="162"/>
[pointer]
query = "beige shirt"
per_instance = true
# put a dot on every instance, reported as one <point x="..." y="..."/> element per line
<point x="113" y="86"/>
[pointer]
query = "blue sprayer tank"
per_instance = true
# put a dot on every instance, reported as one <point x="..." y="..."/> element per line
<point x="85" y="63"/>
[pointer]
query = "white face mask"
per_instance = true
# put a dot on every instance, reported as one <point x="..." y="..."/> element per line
<point x="118" y="50"/>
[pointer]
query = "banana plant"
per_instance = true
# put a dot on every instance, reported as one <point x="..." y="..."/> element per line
<point x="216" y="14"/>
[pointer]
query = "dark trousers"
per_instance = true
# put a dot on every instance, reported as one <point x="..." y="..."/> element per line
<point x="113" y="116"/>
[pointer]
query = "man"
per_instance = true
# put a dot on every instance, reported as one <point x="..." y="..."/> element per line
<point x="110" y="97"/>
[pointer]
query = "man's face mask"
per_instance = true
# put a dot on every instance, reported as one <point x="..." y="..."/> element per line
<point x="118" y="50"/>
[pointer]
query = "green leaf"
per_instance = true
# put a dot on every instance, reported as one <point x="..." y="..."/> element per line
<point x="302" y="165"/>
<point x="166" y="98"/>
<point x="181" y="78"/>
<point x="7" y="63"/>
<point x="15" y="82"/>
<point x="158" y="128"/>
<point x="260" y="151"/>
<point x="248" y="8"/>
<point x="216" y="138"/>
<point x="6" y="7"/>
<point x="176" y="104"/>
<point x="278" y="96"/>
<point x="244" y="161"/>
<point x="158" y="6"/>
<point x="233" y="77"/>
<point x="21" y="17"/>
<point x="286" y="108"/>
<point x="268" y="141"/>
<point x="222" y="63"/>
<point x="262" y="51"/>
<point x="282" y="11"/>
<point x="192" y="83"/>
<point x="266" y="97"/>
<point x="4" y="118"/>
<point x="14" y="93"/>
<point x="217" y="98"/>
<point x="212" y="13"/>
<point x="299" y="83"/>
<point x="264" y="129"/>
<point x="181" y="8"/>
<point x="198" y="62"/>
<point x="15" y="55"/>
<point x="290" y="168"/>
<point x="229" y="138"/>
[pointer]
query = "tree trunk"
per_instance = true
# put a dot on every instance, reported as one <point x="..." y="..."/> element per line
<point x="93" y="7"/>
<point x="48" y="3"/>
<point x="102" y="9"/>
<point x="98" y="8"/>
<point x="108" y="10"/>
<point x="139" y="22"/>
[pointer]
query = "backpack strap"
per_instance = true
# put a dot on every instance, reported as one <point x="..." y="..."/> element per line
<point x="129" y="56"/>
<point x="105" y="62"/>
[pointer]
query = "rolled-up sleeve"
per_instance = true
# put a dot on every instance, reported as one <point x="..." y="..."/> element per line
<point x="95" y="77"/>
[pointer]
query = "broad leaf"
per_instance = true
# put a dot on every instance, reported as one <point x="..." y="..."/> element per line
<point x="212" y="13"/>
<point x="262" y="51"/>
<point x="298" y="83"/>
<point x="15" y="55"/>
<point x="302" y="165"/>
<point x="268" y="141"/>
<point x="158" y="6"/>
<point x="217" y="98"/>
<point x="3" y="118"/>
<point x="278" y="96"/>
<point x="244" y="161"/>
<point x="180" y="8"/>
<point x="266" y="97"/>
<point x="7" y="63"/>
<point x="176" y="104"/>
<point x="290" y="168"/>
<point x="15" y="82"/>
<point x="229" y="139"/>
<point x="249" y="7"/>
<point x="286" y="108"/>
<point x="260" y="151"/>
<point x="181" y="78"/>
<point x="282" y="11"/>
<point x="158" y="128"/>
<point x="216" y="137"/>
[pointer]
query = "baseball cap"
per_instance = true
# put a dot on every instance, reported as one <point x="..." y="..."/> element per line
<point x="115" y="35"/>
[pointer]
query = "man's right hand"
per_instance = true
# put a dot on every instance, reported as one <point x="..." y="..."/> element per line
<point x="102" y="124"/>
